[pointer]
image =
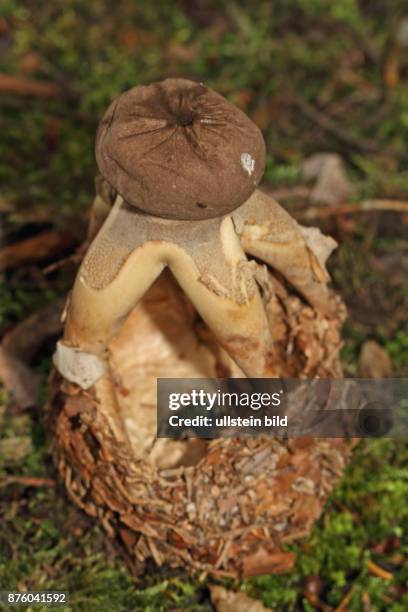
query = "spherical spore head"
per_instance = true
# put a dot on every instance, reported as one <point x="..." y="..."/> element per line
<point x="179" y="150"/>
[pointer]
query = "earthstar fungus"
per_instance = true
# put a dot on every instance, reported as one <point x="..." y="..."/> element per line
<point x="192" y="271"/>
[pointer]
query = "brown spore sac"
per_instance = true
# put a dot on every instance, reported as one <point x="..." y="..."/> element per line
<point x="177" y="149"/>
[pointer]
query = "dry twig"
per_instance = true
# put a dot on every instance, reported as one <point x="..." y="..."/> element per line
<point x="11" y="84"/>
<point x="329" y="125"/>
<point x="29" y="481"/>
<point x="316" y="212"/>
<point x="342" y="607"/>
<point x="378" y="571"/>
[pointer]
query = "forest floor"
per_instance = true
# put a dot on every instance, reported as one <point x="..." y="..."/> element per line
<point x="317" y="77"/>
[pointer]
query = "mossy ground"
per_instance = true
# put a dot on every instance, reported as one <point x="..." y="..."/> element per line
<point x="270" y="58"/>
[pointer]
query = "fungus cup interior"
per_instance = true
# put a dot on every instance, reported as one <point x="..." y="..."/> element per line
<point x="163" y="337"/>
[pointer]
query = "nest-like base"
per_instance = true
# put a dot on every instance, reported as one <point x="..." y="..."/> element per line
<point x="226" y="506"/>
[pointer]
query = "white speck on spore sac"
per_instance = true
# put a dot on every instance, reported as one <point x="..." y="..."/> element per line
<point x="248" y="163"/>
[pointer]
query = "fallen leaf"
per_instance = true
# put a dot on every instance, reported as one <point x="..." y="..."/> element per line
<point x="332" y="185"/>
<point x="374" y="361"/>
<point x="234" y="601"/>
<point x="27" y="337"/>
<point x="39" y="247"/>
<point x="264" y="562"/>
<point x="18" y="379"/>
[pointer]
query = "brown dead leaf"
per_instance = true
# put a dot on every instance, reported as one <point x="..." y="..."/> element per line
<point x="234" y="601"/>
<point x="264" y="562"/>
<point x="332" y="185"/>
<point x="42" y="246"/>
<point x="374" y="361"/>
<point x="24" y="340"/>
<point x="18" y="379"/>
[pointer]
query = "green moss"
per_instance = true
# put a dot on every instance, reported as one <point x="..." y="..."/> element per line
<point x="397" y="348"/>
<point x="367" y="509"/>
